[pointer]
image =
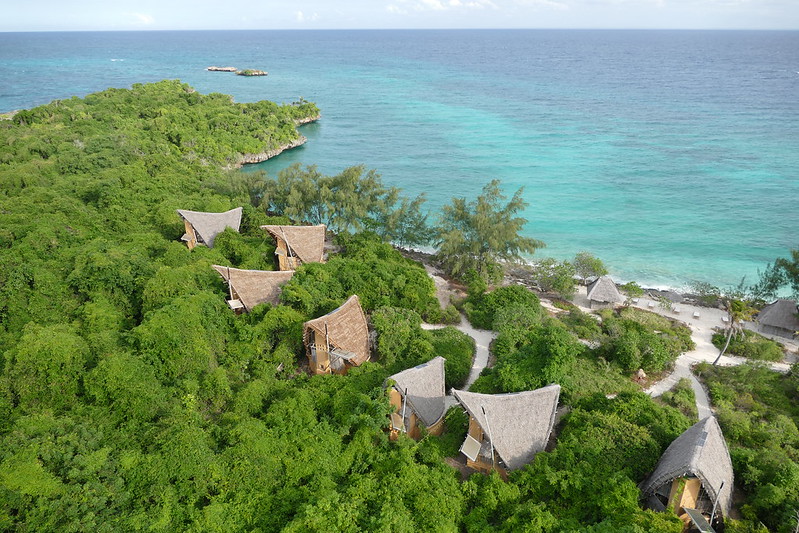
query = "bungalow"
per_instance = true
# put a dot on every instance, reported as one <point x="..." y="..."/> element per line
<point x="780" y="318"/>
<point x="694" y="476"/>
<point x="417" y="395"/>
<point x="338" y="340"/>
<point x="603" y="293"/>
<point x="296" y="245"/>
<point x="202" y="228"/>
<point x="507" y="430"/>
<point x="249" y="288"/>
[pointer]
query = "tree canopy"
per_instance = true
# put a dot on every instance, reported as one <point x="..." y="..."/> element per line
<point x="132" y="398"/>
<point x="483" y="234"/>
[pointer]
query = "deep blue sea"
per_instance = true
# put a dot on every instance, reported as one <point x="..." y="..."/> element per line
<point x="671" y="155"/>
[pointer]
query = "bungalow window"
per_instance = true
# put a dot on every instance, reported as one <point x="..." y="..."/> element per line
<point x="471" y="447"/>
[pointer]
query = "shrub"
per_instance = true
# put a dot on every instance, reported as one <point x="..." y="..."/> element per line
<point x="481" y="310"/>
<point x="456" y="423"/>
<point x="750" y="345"/>
<point x="682" y="397"/>
<point x="401" y="342"/>
<point x="450" y="315"/>
<point x="582" y="324"/>
<point x="458" y="350"/>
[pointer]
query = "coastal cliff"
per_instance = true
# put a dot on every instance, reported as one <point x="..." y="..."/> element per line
<point x="306" y="120"/>
<point x="249" y="159"/>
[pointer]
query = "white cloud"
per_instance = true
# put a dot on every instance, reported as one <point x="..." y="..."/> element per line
<point x="549" y="4"/>
<point x="430" y="5"/>
<point x="301" y="17"/>
<point x="143" y="18"/>
<point x="438" y="5"/>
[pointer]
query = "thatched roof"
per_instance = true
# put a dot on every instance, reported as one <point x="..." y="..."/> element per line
<point x="345" y="328"/>
<point x="306" y="242"/>
<point x="255" y="286"/>
<point x="701" y="452"/>
<point x="604" y="290"/>
<point x="425" y="389"/>
<point x="209" y="225"/>
<point x="520" y="423"/>
<point x="781" y="314"/>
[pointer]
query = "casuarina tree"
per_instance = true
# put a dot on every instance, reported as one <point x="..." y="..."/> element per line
<point x="483" y="234"/>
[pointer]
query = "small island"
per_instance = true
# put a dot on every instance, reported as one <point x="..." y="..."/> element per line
<point x="222" y="69"/>
<point x="251" y="72"/>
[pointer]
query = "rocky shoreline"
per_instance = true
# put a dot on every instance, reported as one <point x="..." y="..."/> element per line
<point x="251" y="159"/>
<point x="306" y="120"/>
<point x="521" y="275"/>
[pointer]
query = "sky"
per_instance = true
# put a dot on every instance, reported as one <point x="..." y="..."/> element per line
<point x="81" y="15"/>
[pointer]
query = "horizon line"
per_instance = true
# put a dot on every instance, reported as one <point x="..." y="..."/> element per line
<point x="144" y="30"/>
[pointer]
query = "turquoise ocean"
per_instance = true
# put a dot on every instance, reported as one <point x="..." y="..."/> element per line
<point x="671" y="155"/>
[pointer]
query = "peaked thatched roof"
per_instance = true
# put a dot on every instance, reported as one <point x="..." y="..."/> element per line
<point x="306" y="242"/>
<point x="520" y="422"/>
<point x="604" y="290"/>
<point x="209" y="225"/>
<point x="781" y="314"/>
<point x="345" y="328"/>
<point x="255" y="286"/>
<point x="702" y="452"/>
<point x="425" y="389"/>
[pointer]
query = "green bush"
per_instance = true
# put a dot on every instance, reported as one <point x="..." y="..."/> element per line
<point x="458" y="350"/>
<point x="758" y="413"/>
<point x="750" y="345"/>
<point x="456" y="423"/>
<point x="582" y="324"/>
<point x="640" y="339"/>
<point x="370" y="268"/>
<point x="481" y="309"/>
<point x="450" y="315"/>
<point x="682" y="397"/>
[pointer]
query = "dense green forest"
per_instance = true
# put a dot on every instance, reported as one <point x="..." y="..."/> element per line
<point x="132" y="398"/>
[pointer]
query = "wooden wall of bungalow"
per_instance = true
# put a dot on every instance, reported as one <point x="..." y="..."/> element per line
<point x="483" y="464"/>
<point x="323" y="357"/>
<point x="285" y="259"/>
<point x="191" y="236"/>
<point x="235" y="302"/>
<point x="687" y="493"/>
<point x="415" y="426"/>
<point x="318" y="355"/>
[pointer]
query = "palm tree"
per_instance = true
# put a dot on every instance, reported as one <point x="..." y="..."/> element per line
<point x="738" y="312"/>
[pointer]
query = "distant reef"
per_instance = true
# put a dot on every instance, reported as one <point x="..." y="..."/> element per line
<point x="251" y="72"/>
<point x="245" y="72"/>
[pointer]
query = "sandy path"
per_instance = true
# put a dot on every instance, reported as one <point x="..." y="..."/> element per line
<point x="701" y="321"/>
<point x="482" y="338"/>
